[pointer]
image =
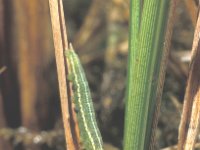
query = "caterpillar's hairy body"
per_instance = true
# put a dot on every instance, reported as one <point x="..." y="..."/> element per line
<point x="89" y="131"/>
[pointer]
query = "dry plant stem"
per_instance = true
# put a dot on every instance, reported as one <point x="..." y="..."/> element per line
<point x="191" y="107"/>
<point x="164" y="62"/>
<point x="75" y="129"/>
<point x="194" y="83"/>
<point x="8" y="78"/>
<point x="33" y="50"/>
<point x="61" y="69"/>
<point x="62" y="24"/>
<point x="192" y="10"/>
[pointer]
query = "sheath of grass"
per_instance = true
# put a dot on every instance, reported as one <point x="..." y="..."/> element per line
<point x="160" y="46"/>
<point x="147" y="32"/>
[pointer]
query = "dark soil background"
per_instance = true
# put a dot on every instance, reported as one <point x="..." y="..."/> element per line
<point x="30" y="115"/>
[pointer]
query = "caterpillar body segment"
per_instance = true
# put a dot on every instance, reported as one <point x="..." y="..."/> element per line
<point x="89" y="131"/>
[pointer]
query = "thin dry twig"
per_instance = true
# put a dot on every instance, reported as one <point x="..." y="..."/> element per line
<point x="62" y="25"/>
<point x="170" y="24"/>
<point x="74" y="127"/>
<point x="191" y="107"/>
<point x="61" y="44"/>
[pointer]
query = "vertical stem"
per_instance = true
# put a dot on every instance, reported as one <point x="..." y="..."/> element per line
<point x="165" y="32"/>
<point x="146" y="50"/>
<point x="191" y="107"/>
<point x="62" y="24"/>
<point x="60" y="43"/>
<point x="135" y="9"/>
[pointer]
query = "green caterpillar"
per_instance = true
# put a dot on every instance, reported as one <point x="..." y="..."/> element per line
<point x="89" y="132"/>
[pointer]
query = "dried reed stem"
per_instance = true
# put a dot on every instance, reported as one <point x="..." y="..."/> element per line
<point x="191" y="107"/>
<point x="60" y="43"/>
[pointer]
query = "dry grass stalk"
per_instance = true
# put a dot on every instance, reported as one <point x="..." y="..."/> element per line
<point x="191" y="107"/>
<point x="164" y="62"/>
<point x="60" y="44"/>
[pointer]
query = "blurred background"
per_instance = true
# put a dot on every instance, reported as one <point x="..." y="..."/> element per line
<point x="30" y="115"/>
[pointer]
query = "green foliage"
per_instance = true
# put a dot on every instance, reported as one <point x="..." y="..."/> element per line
<point x="147" y="32"/>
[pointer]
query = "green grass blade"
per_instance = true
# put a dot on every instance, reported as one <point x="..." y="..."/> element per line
<point x="143" y="68"/>
<point x="135" y="22"/>
<point x="159" y="47"/>
<point x="135" y="14"/>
